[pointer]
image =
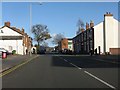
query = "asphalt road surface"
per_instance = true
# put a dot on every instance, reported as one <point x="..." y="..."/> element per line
<point x="65" y="71"/>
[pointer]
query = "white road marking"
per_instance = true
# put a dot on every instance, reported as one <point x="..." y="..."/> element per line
<point x="70" y="63"/>
<point x="65" y="60"/>
<point x="91" y="75"/>
<point x="75" y="66"/>
<point x="100" y="80"/>
<point x="79" y="68"/>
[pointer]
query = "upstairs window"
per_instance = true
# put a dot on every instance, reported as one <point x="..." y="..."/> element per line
<point x="10" y="48"/>
<point x="1" y="31"/>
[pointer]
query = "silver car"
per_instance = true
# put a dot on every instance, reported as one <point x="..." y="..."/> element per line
<point x="4" y="50"/>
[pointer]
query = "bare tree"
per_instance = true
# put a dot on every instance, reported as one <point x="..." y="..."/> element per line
<point x="45" y="44"/>
<point x="57" y="38"/>
<point x="41" y="33"/>
<point x="80" y="25"/>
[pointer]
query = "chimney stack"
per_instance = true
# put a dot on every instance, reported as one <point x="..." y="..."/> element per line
<point x="87" y="26"/>
<point x="91" y="24"/>
<point x="7" y="24"/>
<point x="82" y="29"/>
<point x="23" y="30"/>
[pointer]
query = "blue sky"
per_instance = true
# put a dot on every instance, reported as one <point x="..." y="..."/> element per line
<point x="60" y="17"/>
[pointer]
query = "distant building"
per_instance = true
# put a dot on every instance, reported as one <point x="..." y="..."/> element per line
<point x="49" y="49"/>
<point x="70" y="44"/>
<point x="12" y="38"/>
<point x="103" y="37"/>
<point x="65" y="43"/>
<point x="84" y="41"/>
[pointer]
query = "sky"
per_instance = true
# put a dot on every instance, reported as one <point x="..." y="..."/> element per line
<point x="60" y="17"/>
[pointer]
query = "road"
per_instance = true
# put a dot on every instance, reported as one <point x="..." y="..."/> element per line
<point x="65" y="71"/>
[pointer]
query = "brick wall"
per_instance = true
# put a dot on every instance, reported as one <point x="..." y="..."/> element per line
<point x="63" y="44"/>
<point x="115" y="51"/>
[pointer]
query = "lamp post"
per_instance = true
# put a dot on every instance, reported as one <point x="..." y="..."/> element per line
<point x="31" y="25"/>
<point x="30" y="28"/>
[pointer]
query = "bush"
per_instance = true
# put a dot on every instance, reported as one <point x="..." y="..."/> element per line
<point x="14" y="52"/>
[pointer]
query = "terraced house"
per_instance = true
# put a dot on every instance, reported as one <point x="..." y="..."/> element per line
<point x="84" y="41"/>
<point x="12" y="38"/>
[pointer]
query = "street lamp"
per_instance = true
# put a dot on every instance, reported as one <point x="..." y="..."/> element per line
<point x="30" y="26"/>
<point x="40" y="3"/>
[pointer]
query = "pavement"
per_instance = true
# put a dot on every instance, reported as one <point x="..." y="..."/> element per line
<point x="65" y="71"/>
<point x="13" y="60"/>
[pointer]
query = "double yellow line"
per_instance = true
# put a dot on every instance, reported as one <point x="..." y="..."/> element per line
<point x="15" y="67"/>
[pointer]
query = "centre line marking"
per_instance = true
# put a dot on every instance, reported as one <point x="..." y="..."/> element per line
<point x="100" y="80"/>
<point x="79" y="68"/>
<point x="71" y="63"/>
<point x="65" y="60"/>
<point x="75" y="66"/>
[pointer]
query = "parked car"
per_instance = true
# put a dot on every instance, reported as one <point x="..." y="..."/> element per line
<point x="41" y="50"/>
<point x="67" y="51"/>
<point x="4" y="50"/>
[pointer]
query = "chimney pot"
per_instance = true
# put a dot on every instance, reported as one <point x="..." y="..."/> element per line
<point x="108" y="14"/>
<point x="82" y="29"/>
<point x="91" y="23"/>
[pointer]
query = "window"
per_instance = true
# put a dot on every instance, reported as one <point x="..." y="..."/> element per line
<point x="10" y="48"/>
<point x="69" y="47"/>
<point x="1" y="31"/>
<point x="91" y="44"/>
<point x="69" y="42"/>
<point x="88" y="46"/>
<point x="82" y="37"/>
<point x="85" y="46"/>
<point x="90" y="34"/>
<point x="85" y="36"/>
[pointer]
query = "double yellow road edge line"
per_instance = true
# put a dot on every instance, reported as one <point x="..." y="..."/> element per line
<point x="15" y="67"/>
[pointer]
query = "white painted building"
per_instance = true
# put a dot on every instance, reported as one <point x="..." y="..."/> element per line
<point x="106" y="35"/>
<point x="13" y="39"/>
<point x="70" y="44"/>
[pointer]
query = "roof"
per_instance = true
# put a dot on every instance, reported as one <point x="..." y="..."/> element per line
<point x="82" y="32"/>
<point x="16" y="30"/>
<point x="70" y="39"/>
